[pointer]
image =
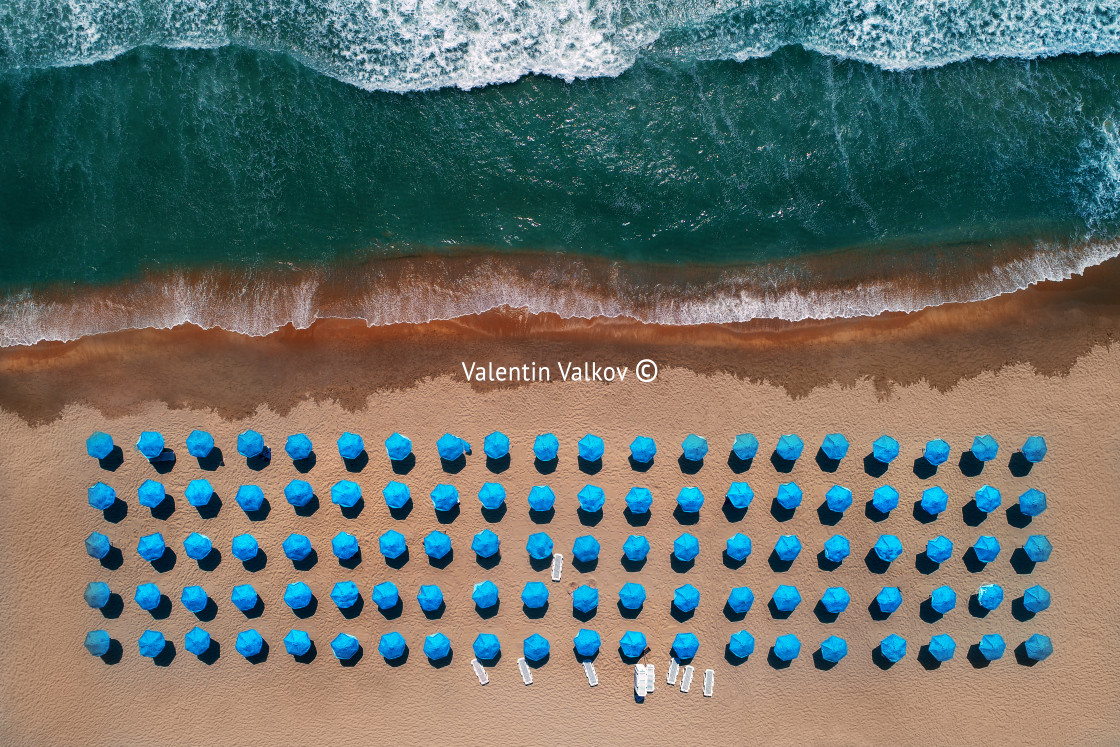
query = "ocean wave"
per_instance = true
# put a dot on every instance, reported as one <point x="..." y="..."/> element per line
<point x="413" y="45"/>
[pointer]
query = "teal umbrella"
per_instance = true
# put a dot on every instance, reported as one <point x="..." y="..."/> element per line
<point x="199" y="492"/>
<point x="545" y="447"/>
<point x="199" y="445"/>
<point x="1038" y="647"/>
<point x="492" y="496"/>
<point x="888" y="547"/>
<point x="392" y="646"/>
<point x="444" y="497"/>
<point x="298" y="493"/>
<point x="740" y="600"/>
<point x="835" y="446"/>
<point x="250" y="498"/>
<point x="437" y="646"/>
<point x="1034" y="450"/>
<point x="833" y="649"/>
<point x="884" y="499"/>
<point x="789" y="495"/>
<point x="350" y="446"/>
<point x="587" y="642"/>
<point x="485" y="594"/>
<point x="451" y="447"/>
<point x="643" y="449"/>
<point x="893" y="648"/>
<point x="741" y="644"/>
<point x="934" y="500"/>
<point x="685" y="646"/>
<point x="102" y="496"/>
<point x="635" y="548"/>
<point x="885" y="449"/>
<point x="297" y="642"/>
<point x="486" y="646"/>
<point x="984" y="448"/>
<point x="639" y="500"/>
<point x="694" y="447"/>
<point x="992" y="646"/>
<point x="397" y="447"/>
<point x="787" y="647"/>
<point x="346" y="493"/>
<point x="591" y="448"/>
<point x="150" y="444"/>
<point x="396" y="494"/>
<point x="97" y="642"/>
<point x="690" y="500"/>
<point x="942" y="647"/>
<point x="585" y="598"/>
<point x="250" y="444"/>
<point x="836" y="548"/>
<point x="197" y="641"/>
<point x="150" y="493"/>
<point x="591" y="498"/>
<point x="99" y="445"/>
<point x="987" y="499"/>
<point x="686" y="547"/>
<point x="152" y="643"/>
<point x="535" y="647"/>
<point x="437" y="545"/>
<point x="496" y="445"/>
<point x="838" y="499"/>
<point x="936" y="452"/>
<point x="740" y="495"/>
<point x="745" y="447"/>
<point x="789" y="447"/>
<point x="633" y="644"/>
<point x="345" y="646"/>
<point x="298" y="447"/>
<point x="249" y="643"/>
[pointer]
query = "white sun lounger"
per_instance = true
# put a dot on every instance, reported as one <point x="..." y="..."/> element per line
<point x="674" y="667"/>
<point x="686" y="680"/>
<point x="557" y="566"/>
<point x="709" y="682"/>
<point x="592" y="676"/>
<point x="526" y="673"/>
<point x="480" y="672"/>
<point x="651" y="679"/>
<point x="640" y="680"/>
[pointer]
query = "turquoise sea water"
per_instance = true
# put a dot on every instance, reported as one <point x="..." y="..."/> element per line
<point x="785" y="153"/>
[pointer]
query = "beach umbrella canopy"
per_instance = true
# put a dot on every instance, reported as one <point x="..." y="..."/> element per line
<point x="245" y="547"/>
<point x="151" y="547"/>
<point x="101" y="496"/>
<point x="943" y="599"/>
<point x="392" y="646"/>
<point x="936" y="451"/>
<point x="1034" y="449"/>
<point x="987" y="499"/>
<point x="992" y="646"/>
<point x="297" y="595"/>
<point x="591" y="498"/>
<point x="939" y="549"/>
<point x="834" y="649"/>
<point x="893" y="647"/>
<point x="741" y="644"/>
<point x="97" y="642"/>
<point x="1038" y="548"/>
<point x="643" y="449"/>
<point x="535" y="647"/>
<point x="738" y="546"/>
<point x="97" y="594"/>
<point x="942" y="647"/>
<point x="298" y="493"/>
<point x="486" y="646"/>
<point x="386" y="596"/>
<point x="1036" y="599"/>
<point x="98" y="545"/>
<point x="485" y="594"/>
<point x="485" y="544"/>
<point x="788" y="547"/>
<point x="444" y="497"/>
<point x="695" y="448"/>
<point x="397" y="447"/>
<point x="344" y="646"/>
<point x="534" y="595"/>
<point x="789" y="495"/>
<point x="585" y="598"/>
<point x="786" y="598"/>
<point x="1038" y="647"/>
<point x="740" y="495"/>
<point x="298" y="447"/>
<point x="836" y="548"/>
<point x="745" y="446"/>
<point x="491" y="495"/>
<point x="585" y="549"/>
<point x="986" y="548"/>
<point x="984" y="448"/>
<point x="437" y="545"/>
<point x="197" y="546"/>
<point x="835" y="600"/>
<point x="99" y="445"/>
<point x="686" y="547"/>
<point x="194" y="598"/>
<point x="345" y="594"/>
<point x="429" y="597"/>
<point x="350" y="445"/>
<point x="496" y="445"/>
<point x="199" y="445"/>
<point x="541" y="498"/>
<point x="587" y="642"/>
<point x="885" y="499"/>
<point x="545" y="447"/>
<point x="633" y="644"/>
<point x="199" y="492"/>
<point x="395" y="493"/>
<point x="150" y="444"/>
<point x="151" y="643"/>
<point x="392" y="544"/>
<point x="638" y="500"/>
<point x="1032" y="502"/>
<point x="197" y="641"/>
<point x="297" y="642"/>
<point x="884" y="449"/>
<point x="539" y="546"/>
<point x="437" y="646"/>
<point x="632" y="596"/>
<point x="635" y="548"/>
<point x="685" y="646"/>
<point x="934" y="500"/>
<point x="835" y="446"/>
<point x="838" y="499"/>
<point x="789" y="447"/>
<point x="690" y="500"/>
<point x="250" y="498"/>
<point x="344" y="546"/>
<point x="740" y="600"/>
<point x="686" y="598"/>
<point x="297" y="547"/>
<point x="347" y="493"/>
<point x="451" y="447"/>
<point x="889" y="599"/>
<point x="244" y="597"/>
<point x="591" y="448"/>
<point x="990" y="596"/>
<point x="787" y="647"/>
<point x="250" y="444"/>
<point x="888" y="547"/>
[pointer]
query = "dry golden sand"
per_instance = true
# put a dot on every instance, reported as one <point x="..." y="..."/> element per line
<point x="52" y="692"/>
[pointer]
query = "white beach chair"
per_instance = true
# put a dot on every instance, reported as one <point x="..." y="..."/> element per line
<point x="709" y="682"/>
<point x="674" y="668"/>
<point x="557" y="566"/>
<point x="480" y="672"/>
<point x="686" y="680"/>
<point x="651" y="679"/>
<point x="592" y="676"/>
<point x="526" y="673"/>
<point x="640" y="680"/>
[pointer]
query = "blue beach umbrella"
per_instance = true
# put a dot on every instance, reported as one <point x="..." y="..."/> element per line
<point x="838" y="499"/>
<point x="738" y="546"/>
<point x="451" y="447"/>
<point x="245" y="547"/>
<point x="1038" y="647"/>
<point x="984" y="448"/>
<point x="943" y="599"/>
<point x="98" y="545"/>
<point x="1038" y="548"/>
<point x="429" y="597"/>
<point x="789" y="495"/>
<point x="585" y="549"/>
<point x="690" y="500"/>
<point x="1032" y="502"/>
<point x="836" y="548"/>
<point x="249" y="643"/>
<point x="485" y="594"/>
<point x="541" y="498"/>
<point x="297" y="642"/>
<point x="885" y="449"/>
<point x="686" y="547"/>
<point x="936" y="452"/>
<point x="591" y="498"/>
<point x="97" y="642"/>
<point x="740" y="600"/>
<point x="297" y="595"/>
<point x="893" y="648"/>
<point x="889" y="599"/>
<point x="345" y="594"/>
<point x="397" y="447"/>
<point x="786" y="598"/>
<point x="789" y="447"/>
<point x="835" y="599"/>
<point x="350" y="445"/>
<point x="939" y="549"/>
<point x="194" y="599"/>
<point x="199" y="445"/>
<point x="151" y="643"/>
<point x="486" y="544"/>
<point x="102" y="496"/>
<point x="587" y="642"/>
<point x="99" y="445"/>
<point x="986" y="548"/>
<point x="344" y="546"/>
<point x="535" y="647"/>
<point x="591" y="448"/>
<point x="437" y="544"/>
<point x="244" y="597"/>
<point x="1034" y="449"/>
<point x="987" y="499"/>
<point x="199" y="492"/>
<point x="486" y="646"/>
<point x="491" y="495"/>
<point x="150" y="444"/>
<point x="151" y="547"/>
<point x="992" y="646"/>
<point x="1036" y="599"/>
<point x="833" y="649"/>
<point x="643" y="449"/>
<point x="990" y="596"/>
<point x="635" y="548"/>
<point x="97" y="594"/>
<point x="534" y="595"/>
<point x="386" y="596"/>
<point x="297" y="547"/>
<point x="395" y="493"/>
<point x="437" y="646"/>
<point x="685" y="646"/>
<point x="745" y="447"/>
<point x="633" y="644"/>
<point x="942" y="647"/>
<point x="496" y="445"/>
<point x="250" y="498"/>
<point x="787" y="647"/>
<point x="888" y="547"/>
<point x="147" y="596"/>
<point x="539" y="546"/>
<point x="346" y="493"/>
<point x="694" y="447"/>
<point x="585" y="598"/>
<point x="788" y="547"/>
<point x="197" y="546"/>
<point x="740" y="495"/>
<point x="250" y="444"/>
<point x="884" y="499"/>
<point x="298" y="447"/>
<point x="741" y="644"/>
<point x="934" y="500"/>
<point x="444" y="497"/>
<point x="638" y="500"/>
<point x="298" y="493"/>
<point x="686" y="598"/>
<point x="835" y="446"/>
<point x="392" y="646"/>
<point x="345" y="646"/>
<point x="545" y="447"/>
<point x="632" y="596"/>
<point x="392" y="544"/>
